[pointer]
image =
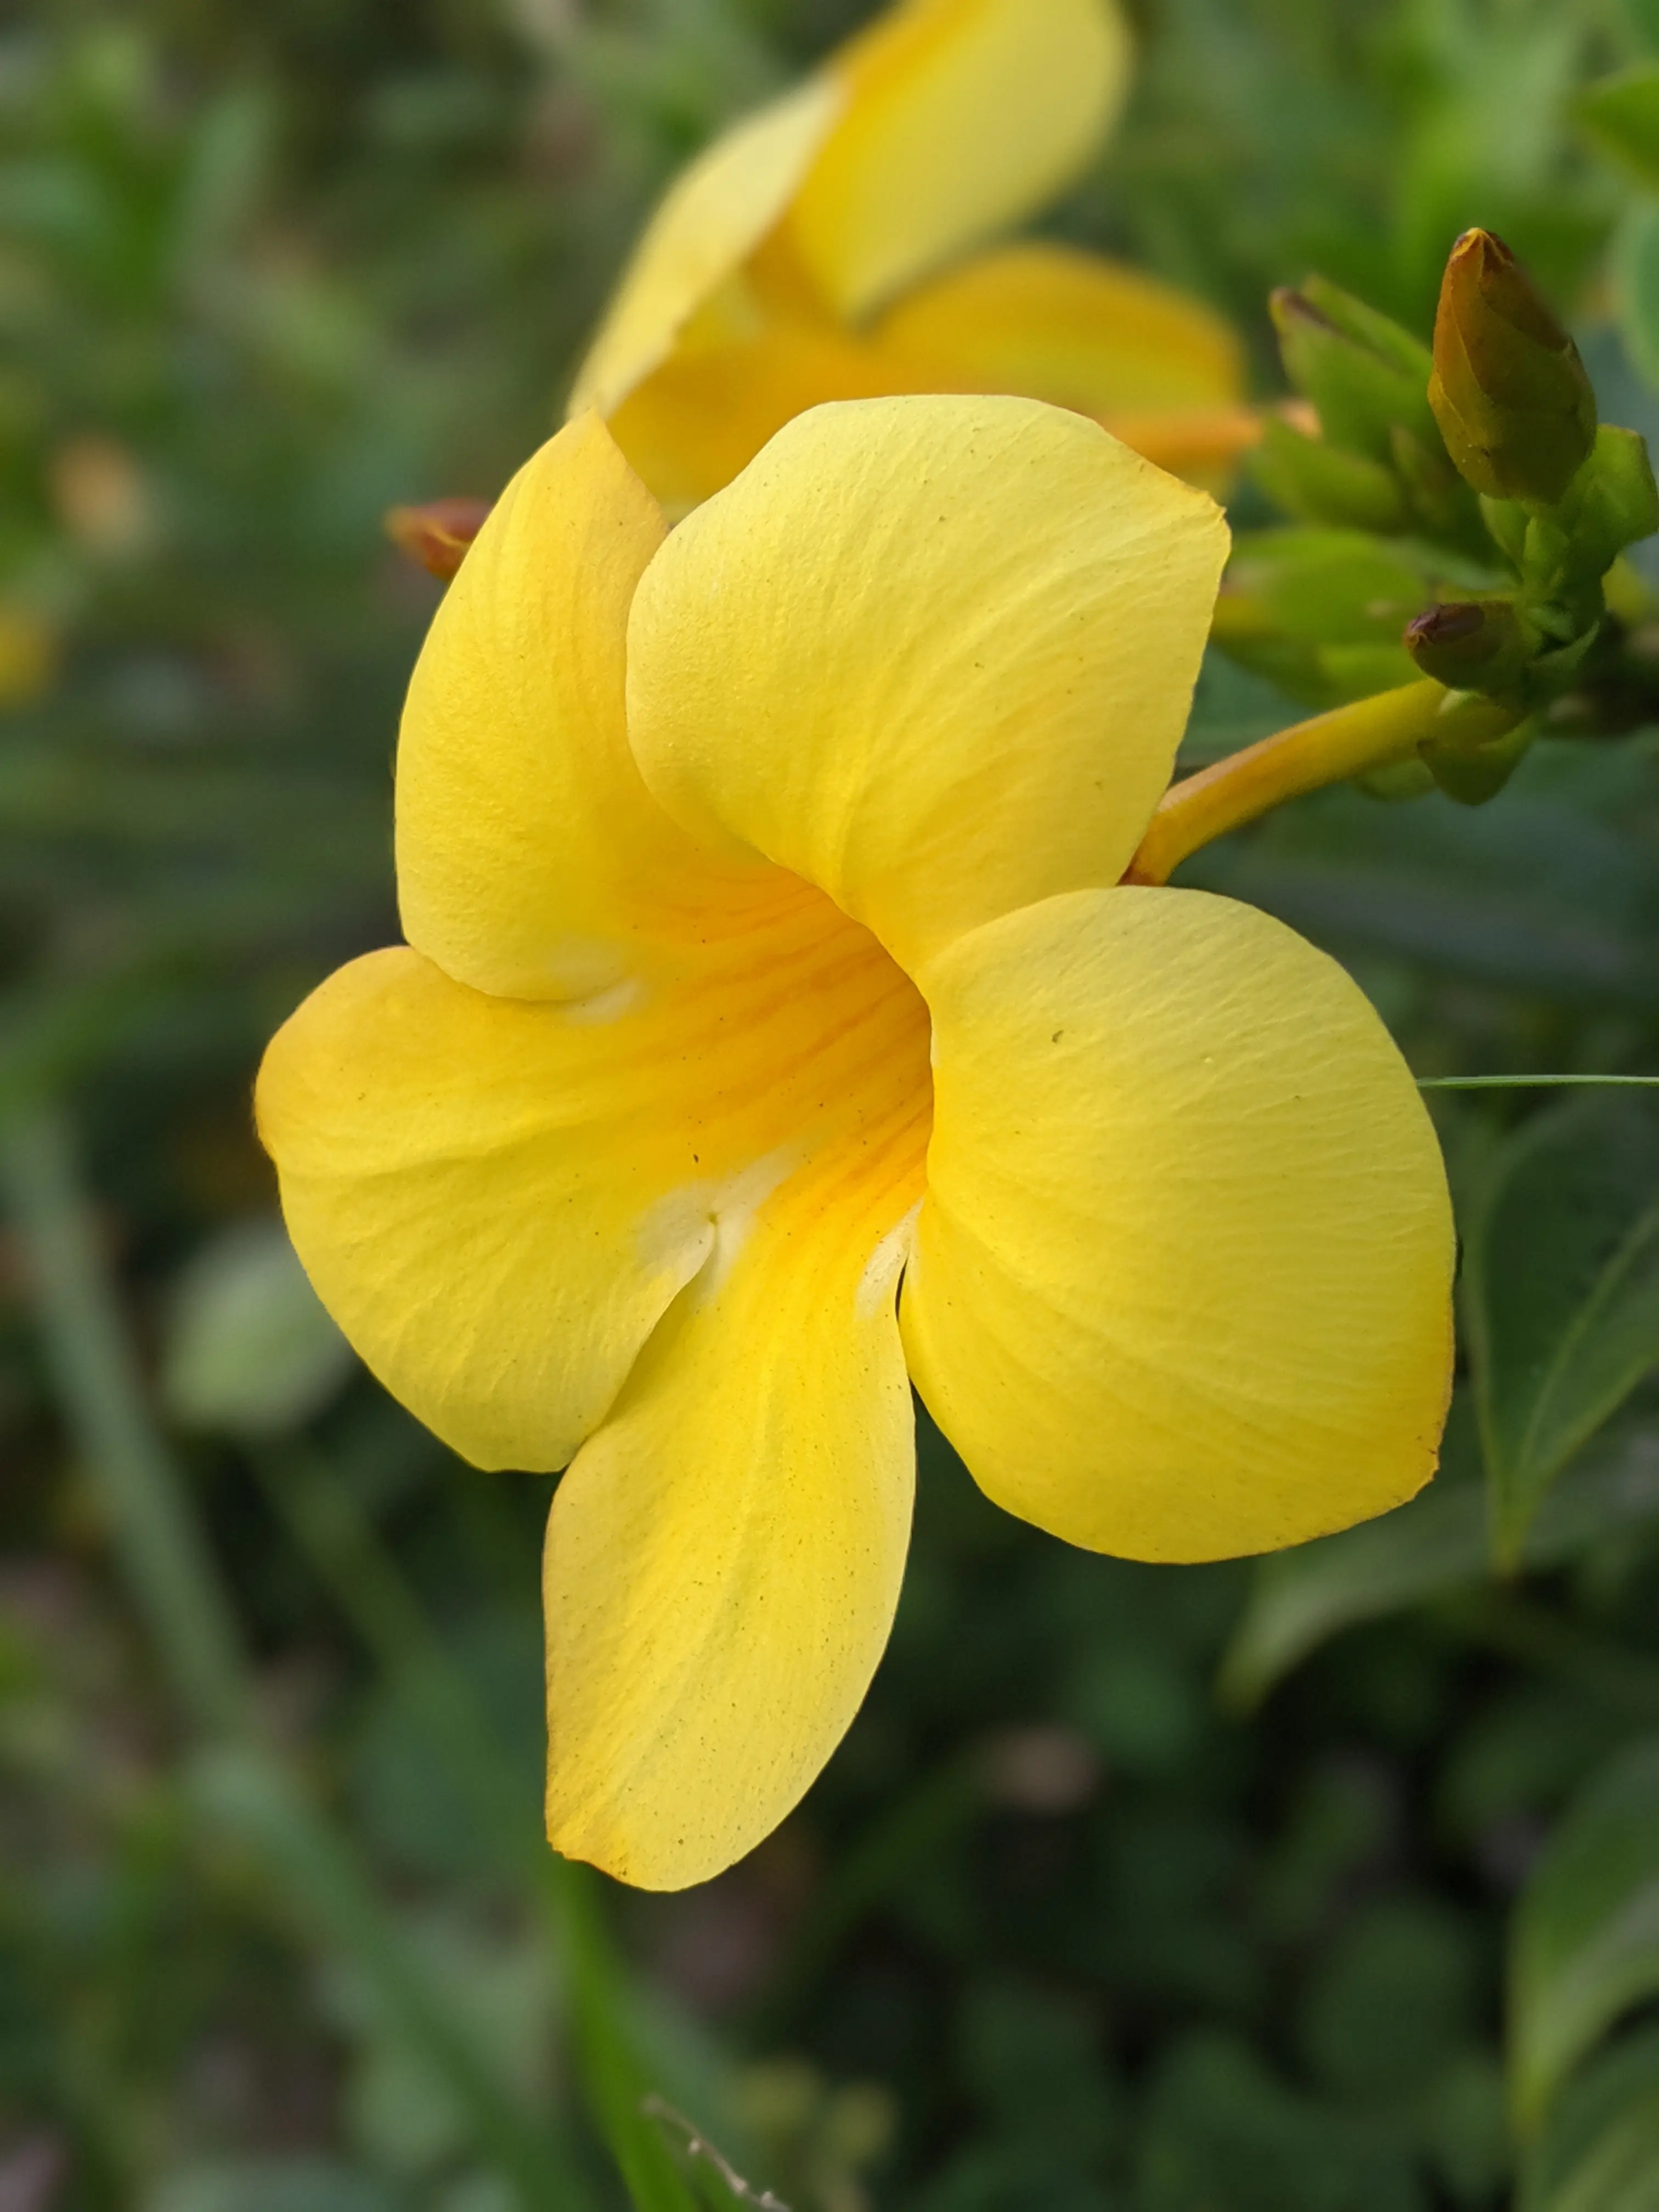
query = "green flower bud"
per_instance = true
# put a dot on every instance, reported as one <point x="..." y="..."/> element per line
<point x="1363" y="372"/>
<point x="1470" y="645"/>
<point x="1321" y="483"/>
<point x="1508" y="390"/>
<point x="1319" y="612"/>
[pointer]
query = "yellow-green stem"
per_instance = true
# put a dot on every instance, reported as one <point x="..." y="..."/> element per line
<point x="1371" y="733"/>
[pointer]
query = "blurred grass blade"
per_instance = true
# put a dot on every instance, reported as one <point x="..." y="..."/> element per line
<point x="1600" y="2151"/>
<point x="173" y="1577"/>
<point x="1561" y="1301"/>
<point x="245" y="1793"/>
<point x="1585" y="1943"/>
<point x="91" y="1360"/>
<point x="372" y="1594"/>
<point x="611" y="2073"/>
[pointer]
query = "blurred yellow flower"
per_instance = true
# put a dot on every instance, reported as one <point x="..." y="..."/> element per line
<point x="765" y="948"/>
<point x="816" y="251"/>
<point x="28" y="655"/>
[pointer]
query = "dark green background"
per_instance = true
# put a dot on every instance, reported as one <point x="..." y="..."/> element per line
<point x="1060" y="1928"/>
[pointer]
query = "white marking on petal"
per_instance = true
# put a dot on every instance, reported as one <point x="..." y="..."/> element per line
<point x="607" y="1006"/>
<point x="740" y="1200"/>
<point x="713" y="1218"/>
<point x="881" y="1270"/>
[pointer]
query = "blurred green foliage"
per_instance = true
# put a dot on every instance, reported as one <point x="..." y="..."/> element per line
<point x="1131" y="1890"/>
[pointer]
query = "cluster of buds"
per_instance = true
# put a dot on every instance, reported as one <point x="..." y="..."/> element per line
<point x="1461" y="513"/>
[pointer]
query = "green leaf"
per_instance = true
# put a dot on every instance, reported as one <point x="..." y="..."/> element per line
<point x="1622" y="113"/>
<point x="1599" y="2152"/>
<point x="1302" y="1598"/>
<point x="1585" y="1945"/>
<point x="1561" y="1289"/>
<point x="1429" y="1548"/>
<point x="1636" y="286"/>
<point x="250" y="1349"/>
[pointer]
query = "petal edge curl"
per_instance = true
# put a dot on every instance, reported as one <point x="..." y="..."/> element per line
<point x="1182" y="1285"/>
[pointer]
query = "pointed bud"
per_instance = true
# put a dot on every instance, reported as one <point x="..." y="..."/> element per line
<point x="1363" y="372"/>
<point x="1469" y="645"/>
<point x="435" y="537"/>
<point x="1508" y="392"/>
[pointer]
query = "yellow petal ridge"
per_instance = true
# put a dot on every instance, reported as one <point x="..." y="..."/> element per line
<point x="932" y="654"/>
<point x="1182" y="1283"/>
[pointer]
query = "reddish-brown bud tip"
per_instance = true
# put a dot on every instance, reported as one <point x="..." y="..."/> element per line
<point x="1442" y="625"/>
<point x="437" y="535"/>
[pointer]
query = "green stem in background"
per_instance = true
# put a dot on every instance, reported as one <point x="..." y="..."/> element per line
<point x="1349" y="741"/>
<point x="344" y="1550"/>
<point x="238" y="1778"/>
<point x="157" y="1539"/>
<point x="1538" y="1082"/>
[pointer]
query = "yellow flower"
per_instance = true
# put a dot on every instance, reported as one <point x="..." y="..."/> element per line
<point x="799" y="259"/>
<point x="766" y="947"/>
<point x="28" y="655"/>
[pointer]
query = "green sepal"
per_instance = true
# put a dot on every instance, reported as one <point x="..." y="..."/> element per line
<point x="1506" y="521"/>
<point x="1321" y="483"/>
<point x="1611" y="503"/>
<point x="1473" y="775"/>
<point x="1398" y="782"/>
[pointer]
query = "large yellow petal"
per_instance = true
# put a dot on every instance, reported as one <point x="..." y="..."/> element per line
<point x="724" y="1558"/>
<point x="934" y="655"/>
<point x="531" y="857"/>
<point x="497" y="1199"/>
<point x="962" y="117"/>
<point x="1072" y="328"/>
<point x="1181" y="1285"/>
<point x="715" y="215"/>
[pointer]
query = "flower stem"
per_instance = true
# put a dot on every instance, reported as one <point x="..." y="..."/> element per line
<point x="1348" y="741"/>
